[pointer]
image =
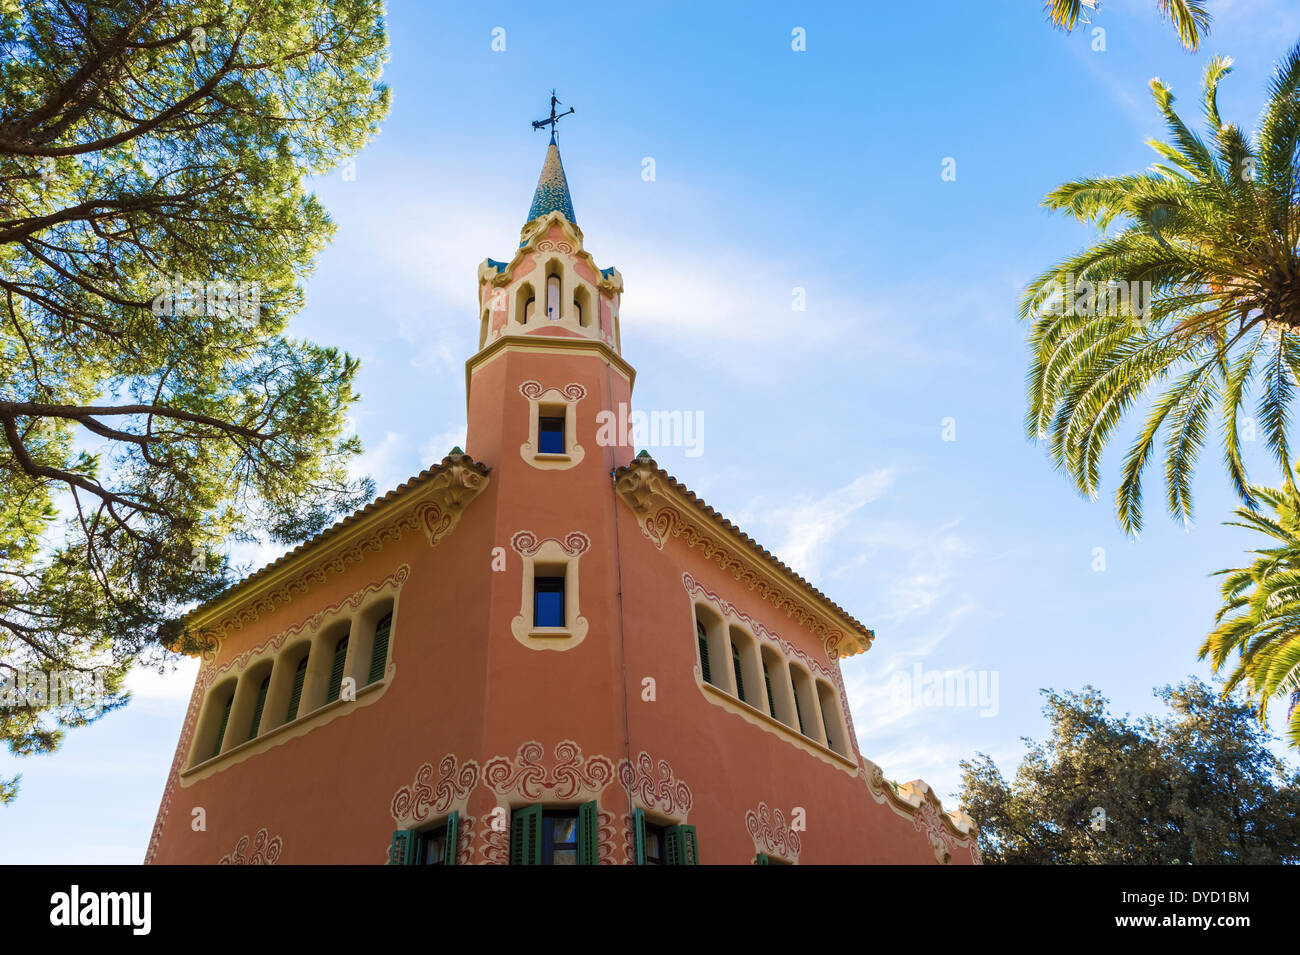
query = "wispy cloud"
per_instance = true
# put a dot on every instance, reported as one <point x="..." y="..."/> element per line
<point x="805" y="525"/>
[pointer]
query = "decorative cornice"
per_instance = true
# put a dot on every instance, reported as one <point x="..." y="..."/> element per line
<point x="432" y="501"/>
<point x="540" y="343"/>
<point x="947" y="831"/>
<point x="664" y="508"/>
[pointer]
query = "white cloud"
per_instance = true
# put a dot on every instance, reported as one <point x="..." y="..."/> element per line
<point x="805" y="526"/>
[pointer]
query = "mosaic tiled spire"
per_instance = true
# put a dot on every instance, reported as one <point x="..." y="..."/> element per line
<point x="552" y="193"/>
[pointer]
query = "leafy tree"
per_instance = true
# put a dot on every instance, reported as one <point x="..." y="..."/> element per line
<point x="155" y="230"/>
<point x="1260" y="617"/>
<point x="1189" y="17"/>
<point x="1214" y="229"/>
<point x="1198" y="787"/>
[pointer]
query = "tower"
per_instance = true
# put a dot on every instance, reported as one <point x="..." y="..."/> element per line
<point x="543" y="649"/>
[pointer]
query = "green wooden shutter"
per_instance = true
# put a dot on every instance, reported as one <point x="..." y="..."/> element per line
<point x="449" y="847"/>
<point x="257" y="711"/>
<point x="771" y="701"/>
<point x="798" y="712"/>
<point x="379" y="652"/>
<point x="296" y="696"/>
<point x="336" y="670"/>
<point x="526" y="836"/>
<point x="638" y="826"/>
<point x="703" y="640"/>
<point x="404" y="848"/>
<point x="588" y="834"/>
<point x="681" y="846"/>
<point x="740" y="678"/>
<point x="761" y="860"/>
<point x="225" y="718"/>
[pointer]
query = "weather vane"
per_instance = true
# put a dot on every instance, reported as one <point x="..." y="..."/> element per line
<point x="554" y="119"/>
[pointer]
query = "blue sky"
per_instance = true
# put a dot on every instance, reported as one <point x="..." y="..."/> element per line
<point x="777" y="170"/>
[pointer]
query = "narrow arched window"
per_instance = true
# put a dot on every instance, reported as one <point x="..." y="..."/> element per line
<point x="336" y="669"/>
<point x="295" y="697"/>
<point x="703" y="639"/>
<point x="767" y="679"/>
<point x="261" y="704"/>
<point x="740" y="679"/>
<point x="225" y="720"/>
<point x="553" y="297"/>
<point x="379" y="650"/>
<point x="530" y="306"/>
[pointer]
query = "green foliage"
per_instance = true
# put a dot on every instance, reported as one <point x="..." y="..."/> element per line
<point x="144" y="142"/>
<point x="1189" y="17"/>
<point x="1198" y="787"/>
<point x="1214" y="229"/>
<point x="1260" y="616"/>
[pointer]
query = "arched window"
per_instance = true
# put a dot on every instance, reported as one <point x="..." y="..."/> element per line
<point x="259" y="706"/>
<point x="379" y="651"/>
<point x="225" y="721"/>
<point x="553" y="297"/>
<point x="702" y="638"/>
<point x="336" y="669"/>
<point x="767" y="684"/>
<point x="524" y="303"/>
<point x="295" y="695"/>
<point x="581" y="301"/>
<point x="740" y="672"/>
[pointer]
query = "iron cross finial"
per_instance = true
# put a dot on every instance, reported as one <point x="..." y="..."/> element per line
<point x="554" y="118"/>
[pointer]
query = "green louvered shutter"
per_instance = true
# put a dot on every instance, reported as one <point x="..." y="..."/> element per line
<point x="638" y="826"/>
<point x="703" y="641"/>
<point x="403" y="849"/>
<point x="588" y="834"/>
<point x="225" y="718"/>
<point x="771" y="700"/>
<point x="257" y="711"/>
<point x="449" y="847"/>
<point x="379" y="652"/>
<point x="798" y="712"/>
<point x="681" y="846"/>
<point x="761" y="860"/>
<point x="690" y="846"/>
<point x="296" y="696"/>
<point x="740" y="678"/>
<point x="336" y="670"/>
<point x="526" y="836"/>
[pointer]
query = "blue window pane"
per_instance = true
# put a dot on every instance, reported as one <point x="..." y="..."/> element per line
<point x="550" y="435"/>
<point x="548" y="602"/>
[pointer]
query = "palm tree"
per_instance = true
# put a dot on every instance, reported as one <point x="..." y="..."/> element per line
<point x="1260" y="617"/>
<point x="1189" y="17"/>
<point x="1213" y="229"/>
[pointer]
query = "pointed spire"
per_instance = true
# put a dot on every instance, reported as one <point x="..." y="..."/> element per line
<point x="552" y="193"/>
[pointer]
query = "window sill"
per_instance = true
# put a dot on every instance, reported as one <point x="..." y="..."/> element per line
<point x="765" y="719"/>
<point x="551" y="632"/>
<point x="282" y="728"/>
<point x="551" y="456"/>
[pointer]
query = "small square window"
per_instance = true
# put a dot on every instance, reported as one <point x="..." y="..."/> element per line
<point x="550" y="435"/>
<point x="548" y="602"/>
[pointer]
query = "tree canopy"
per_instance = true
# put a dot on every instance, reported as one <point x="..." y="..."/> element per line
<point x="1197" y="787"/>
<point x="155" y="230"/>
